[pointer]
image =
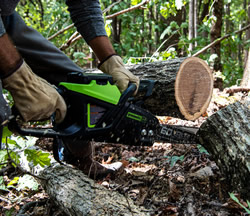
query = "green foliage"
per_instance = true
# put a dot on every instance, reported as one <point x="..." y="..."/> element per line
<point x="14" y="149"/>
<point x="37" y="157"/>
<point x="174" y="159"/>
<point x="146" y="34"/>
<point x="202" y="149"/>
<point x="234" y="198"/>
<point x="2" y="185"/>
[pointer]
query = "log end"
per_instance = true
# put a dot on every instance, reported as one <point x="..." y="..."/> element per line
<point x="193" y="87"/>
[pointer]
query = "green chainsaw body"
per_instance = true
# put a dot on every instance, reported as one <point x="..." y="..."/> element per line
<point x="96" y="110"/>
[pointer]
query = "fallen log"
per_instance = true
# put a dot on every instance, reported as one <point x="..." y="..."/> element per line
<point x="183" y="87"/>
<point x="76" y="194"/>
<point x="226" y="136"/>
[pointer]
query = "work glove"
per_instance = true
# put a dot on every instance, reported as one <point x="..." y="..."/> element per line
<point x="121" y="76"/>
<point x="34" y="97"/>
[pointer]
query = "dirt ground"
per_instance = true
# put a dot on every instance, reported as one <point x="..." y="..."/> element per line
<point x="170" y="179"/>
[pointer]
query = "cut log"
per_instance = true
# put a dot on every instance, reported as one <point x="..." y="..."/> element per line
<point x="75" y="194"/>
<point x="226" y="136"/>
<point x="183" y="87"/>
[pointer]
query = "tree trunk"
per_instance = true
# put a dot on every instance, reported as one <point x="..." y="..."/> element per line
<point x="245" y="82"/>
<point x="191" y="24"/>
<point x="216" y="32"/>
<point x="246" y="75"/>
<point x="195" y="22"/>
<point x="226" y="137"/>
<point x="75" y="194"/>
<point x="183" y="87"/>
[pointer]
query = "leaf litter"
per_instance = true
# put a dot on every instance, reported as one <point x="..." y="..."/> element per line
<point x="169" y="179"/>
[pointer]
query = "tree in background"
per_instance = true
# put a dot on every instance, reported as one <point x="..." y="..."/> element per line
<point x="156" y="30"/>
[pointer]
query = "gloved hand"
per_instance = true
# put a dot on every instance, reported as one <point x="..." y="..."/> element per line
<point x="121" y="76"/>
<point x="34" y="97"/>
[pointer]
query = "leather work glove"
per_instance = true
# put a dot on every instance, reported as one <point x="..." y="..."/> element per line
<point x="121" y="76"/>
<point x="34" y="97"/>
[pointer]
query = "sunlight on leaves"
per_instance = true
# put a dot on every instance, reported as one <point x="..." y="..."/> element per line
<point x="27" y="182"/>
<point x="37" y="157"/>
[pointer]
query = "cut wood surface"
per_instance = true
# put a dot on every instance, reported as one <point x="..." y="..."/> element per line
<point x="183" y="87"/>
<point x="226" y="136"/>
<point x="76" y="194"/>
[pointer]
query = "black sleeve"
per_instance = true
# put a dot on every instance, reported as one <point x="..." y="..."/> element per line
<point x="87" y="17"/>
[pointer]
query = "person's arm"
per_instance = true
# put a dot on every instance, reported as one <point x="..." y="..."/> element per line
<point x="34" y="98"/>
<point x="88" y="19"/>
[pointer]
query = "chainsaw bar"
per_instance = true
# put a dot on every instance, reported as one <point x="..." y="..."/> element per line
<point x="177" y="134"/>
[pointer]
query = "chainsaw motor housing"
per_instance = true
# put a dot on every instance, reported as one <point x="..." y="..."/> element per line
<point x="97" y="111"/>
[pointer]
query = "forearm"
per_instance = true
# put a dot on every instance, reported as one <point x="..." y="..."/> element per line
<point x="102" y="47"/>
<point x="10" y="60"/>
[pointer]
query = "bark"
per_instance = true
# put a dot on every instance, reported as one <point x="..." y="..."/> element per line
<point x="216" y="32"/>
<point x="226" y="137"/>
<point x="205" y="11"/>
<point x="183" y="87"/>
<point x="246" y="75"/>
<point x="75" y="194"/>
<point x="191" y="24"/>
<point x="195" y="22"/>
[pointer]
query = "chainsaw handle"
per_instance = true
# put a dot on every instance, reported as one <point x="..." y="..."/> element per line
<point x="127" y="94"/>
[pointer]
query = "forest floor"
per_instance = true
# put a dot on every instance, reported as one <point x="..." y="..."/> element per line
<point x="170" y="179"/>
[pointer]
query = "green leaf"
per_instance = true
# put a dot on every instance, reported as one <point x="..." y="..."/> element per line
<point x="15" y="157"/>
<point x="173" y="159"/>
<point x="27" y="181"/>
<point x="134" y="2"/>
<point x="26" y="141"/>
<point x="174" y="24"/>
<point x="202" y="149"/>
<point x="13" y="182"/>
<point x="168" y="31"/>
<point x="4" y="157"/>
<point x="3" y="154"/>
<point x="37" y="157"/>
<point x="234" y="198"/>
<point x="6" y="132"/>
<point x="2" y="185"/>
<point x="79" y="55"/>
<point x="248" y="203"/>
<point x="10" y="212"/>
<point x="133" y="159"/>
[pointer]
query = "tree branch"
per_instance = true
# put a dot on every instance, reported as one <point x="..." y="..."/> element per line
<point x="128" y="9"/>
<point x="219" y="40"/>
<point x="60" y="32"/>
<point x="107" y="17"/>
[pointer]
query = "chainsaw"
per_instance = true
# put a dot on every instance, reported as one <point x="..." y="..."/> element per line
<point x="96" y="110"/>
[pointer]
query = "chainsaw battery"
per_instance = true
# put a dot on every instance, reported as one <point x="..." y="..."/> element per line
<point x="86" y="78"/>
